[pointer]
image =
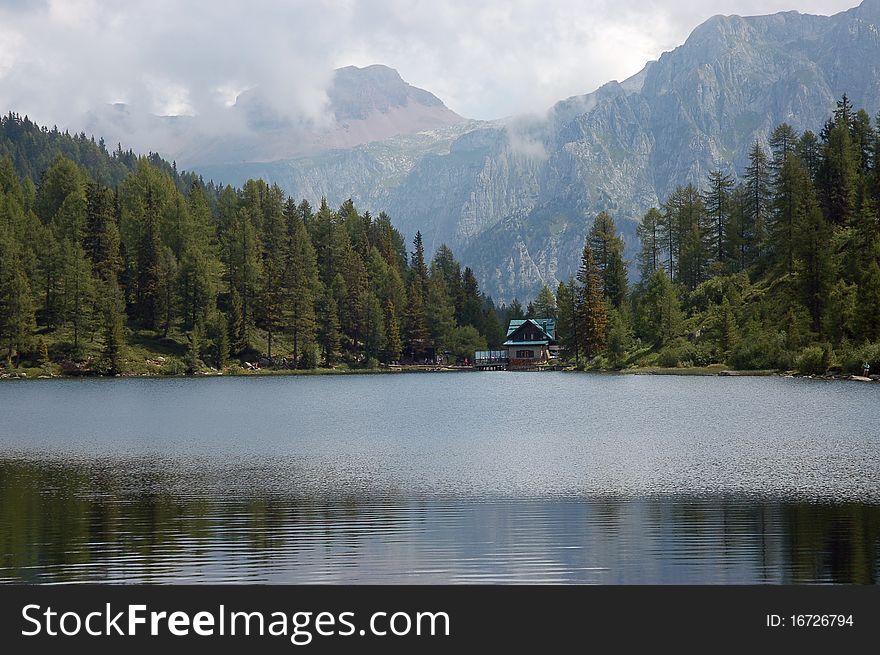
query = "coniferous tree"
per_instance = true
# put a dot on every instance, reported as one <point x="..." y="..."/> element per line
<point x="868" y="304"/>
<point x="393" y="343"/>
<point x="269" y="312"/>
<point x="301" y="284"/>
<point x="101" y="239"/>
<point x="783" y="142"/>
<point x="717" y="203"/>
<point x="566" y="323"/>
<point x="149" y="269"/>
<point x="374" y="328"/>
<point x="591" y="310"/>
<point x="439" y="312"/>
<point x="79" y="291"/>
<point x="652" y="247"/>
<point x="790" y="187"/>
<point x="17" y="321"/>
<point x="218" y="333"/>
<point x="838" y="169"/>
<point x="660" y="315"/>
<point x="545" y="304"/>
<point x="237" y="338"/>
<point x="113" y="318"/>
<point x="328" y="327"/>
<point x="416" y="324"/>
<point x="811" y="249"/>
<point x="515" y="311"/>
<point x="607" y="249"/>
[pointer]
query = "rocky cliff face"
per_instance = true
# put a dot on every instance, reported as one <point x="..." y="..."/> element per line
<point x="516" y="197"/>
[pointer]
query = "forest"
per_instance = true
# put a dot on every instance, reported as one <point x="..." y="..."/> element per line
<point x="774" y="270"/>
<point x="114" y="263"/>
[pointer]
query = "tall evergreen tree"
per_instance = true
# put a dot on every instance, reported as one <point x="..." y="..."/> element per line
<point x="17" y="321"/>
<point x="607" y="248"/>
<point x="717" y="202"/>
<point x="652" y="246"/>
<point x="393" y="343"/>
<point x="591" y="313"/>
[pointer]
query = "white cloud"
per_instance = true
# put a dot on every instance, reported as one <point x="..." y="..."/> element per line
<point x="61" y="58"/>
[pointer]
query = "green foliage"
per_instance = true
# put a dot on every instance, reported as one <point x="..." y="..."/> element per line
<point x="813" y="360"/>
<point x="607" y="251"/>
<point x="464" y="341"/>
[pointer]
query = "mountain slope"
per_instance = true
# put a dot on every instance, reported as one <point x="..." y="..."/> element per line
<point x="363" y="105"/>
<point x="517" y="196"/>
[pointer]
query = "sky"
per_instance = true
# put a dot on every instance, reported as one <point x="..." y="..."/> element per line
<point x="485" y="59"/>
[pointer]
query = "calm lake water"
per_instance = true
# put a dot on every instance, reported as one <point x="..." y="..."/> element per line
<point x="449" y="478"/>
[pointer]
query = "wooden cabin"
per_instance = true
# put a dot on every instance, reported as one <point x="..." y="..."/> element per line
<point x="531" y="342"/>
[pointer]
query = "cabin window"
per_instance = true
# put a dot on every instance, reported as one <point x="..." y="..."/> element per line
<point x="525" y="354"/>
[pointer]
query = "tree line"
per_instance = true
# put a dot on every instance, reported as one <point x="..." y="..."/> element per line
<point x="106" y="258"/>
<point x="779" y="268"/>
<point x="98" y="275"/>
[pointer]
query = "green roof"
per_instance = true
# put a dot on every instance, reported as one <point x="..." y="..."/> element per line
<point x="546" y="325"/>
<point x="527" y="343"/>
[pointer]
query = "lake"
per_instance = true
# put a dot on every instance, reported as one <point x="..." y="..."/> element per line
<point x="440" y="478"/>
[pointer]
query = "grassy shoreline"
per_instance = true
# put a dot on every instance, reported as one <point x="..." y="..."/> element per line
<point x="713" y="370"/>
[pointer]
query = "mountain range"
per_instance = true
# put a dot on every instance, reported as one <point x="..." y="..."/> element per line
<point x="515" y="197"/>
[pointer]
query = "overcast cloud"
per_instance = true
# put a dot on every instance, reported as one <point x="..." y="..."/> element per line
<point x="60" y="58"/>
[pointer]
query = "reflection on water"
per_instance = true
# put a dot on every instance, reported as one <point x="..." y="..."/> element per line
<point x="498" y="477"/>
<point x="69" y="521"/>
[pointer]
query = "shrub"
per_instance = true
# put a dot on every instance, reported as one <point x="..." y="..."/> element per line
<point x="853" y="357"/>
<point x="669" y="357"/>
<point x="813" y="360"/>
<point x="173" y="366"/>
<point x="309" y="358"/>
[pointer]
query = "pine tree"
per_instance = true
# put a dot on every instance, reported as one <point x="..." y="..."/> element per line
<point x="660" y="317"/>
<point x="717" y="202"/>
<point x="783" y="143"/>
<point x="607" y="249"/>
<point x="301" y="284"/>
<point x="649" y="236"/>
<point x="101" y="238"/>
<point x="113" y="313"/>
<point x="79" y="291"/>
<point x="328" y="327"/>
<point x="149" y="269"/>
<point x="237" y="338"/>
<point x="416" y="333"/>
<point x="419" y="267"/>
<point x="393" y="344"/>
<point x="868" y="304"/>
<point x="838" y="171"/>
<point x="439" y="312"/>
<point x="728" y="331"/>
<point x="270" y="302"/>
<point x="789" y="191"/>
<point x="691" y="222"/>
<point x="591" y="312"/>
<point x="374" y="328"/>
<point x="193" y="350"/>
<point x="566" y="322"/>
<point x="810" y="246"/>
<point x="218" y="333"/>
<point x="619" y="335"/>
<point x="809" y="153"/>
<point x="545" y="304"/>
<point x="17" y="321"/>
<point x="243" y="265"/>
<point x="166" y="289"/>
<point x="44" y="359"/>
